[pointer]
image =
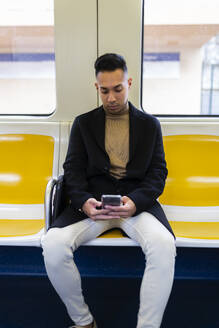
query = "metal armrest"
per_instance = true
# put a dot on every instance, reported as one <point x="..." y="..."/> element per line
<point x="60" y="200"/>
<point x="48" y="202"/>
<point x="55" y="200"/>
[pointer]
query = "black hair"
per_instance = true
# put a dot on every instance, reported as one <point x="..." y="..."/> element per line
<point x="110" y="62"/>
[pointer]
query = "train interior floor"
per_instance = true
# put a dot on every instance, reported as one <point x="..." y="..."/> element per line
<point x="28" y="299"/>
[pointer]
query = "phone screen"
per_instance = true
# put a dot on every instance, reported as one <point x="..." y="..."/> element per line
<point x="113" y="200"/>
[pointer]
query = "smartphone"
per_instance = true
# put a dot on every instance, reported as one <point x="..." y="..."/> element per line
<point x="113" y="200"/>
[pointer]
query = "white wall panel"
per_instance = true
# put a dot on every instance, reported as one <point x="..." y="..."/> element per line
<point x="119" y="30"/>
<point x="76" y="51"/>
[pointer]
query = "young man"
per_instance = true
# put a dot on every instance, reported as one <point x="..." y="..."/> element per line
<point x="113" y="149"/>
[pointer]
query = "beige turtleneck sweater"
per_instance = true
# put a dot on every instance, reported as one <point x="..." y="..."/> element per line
<point x="117" y="142"/>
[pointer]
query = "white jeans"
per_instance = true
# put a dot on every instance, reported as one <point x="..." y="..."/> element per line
<point x="156" y="242"/>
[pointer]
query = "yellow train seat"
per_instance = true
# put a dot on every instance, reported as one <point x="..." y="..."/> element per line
<point x="26" y="166"/>
<point x="191" y="195"/>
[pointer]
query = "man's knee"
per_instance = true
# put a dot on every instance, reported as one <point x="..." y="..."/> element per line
<point x="161" y="247"/>
<point x="167" y="244"/>
<point x="55" y="248"/>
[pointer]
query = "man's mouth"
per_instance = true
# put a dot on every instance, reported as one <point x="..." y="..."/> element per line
<point x="112" y="106"/>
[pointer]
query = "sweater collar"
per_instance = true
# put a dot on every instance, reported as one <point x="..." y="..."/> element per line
<point x="98" y="129"/>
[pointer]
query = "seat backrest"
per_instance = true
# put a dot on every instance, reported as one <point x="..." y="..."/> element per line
<point x="26" y="166"/>
<point x="193" y="170"/>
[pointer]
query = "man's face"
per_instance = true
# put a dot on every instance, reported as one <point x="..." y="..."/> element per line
<point x="113" y="88"/>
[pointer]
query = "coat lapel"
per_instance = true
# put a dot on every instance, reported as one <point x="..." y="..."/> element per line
<point x="133" y="132"/>
<point x="98" y="128"/>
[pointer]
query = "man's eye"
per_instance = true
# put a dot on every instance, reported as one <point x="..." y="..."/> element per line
<point x="118" y="90"/>
<point x="104" y="92"/>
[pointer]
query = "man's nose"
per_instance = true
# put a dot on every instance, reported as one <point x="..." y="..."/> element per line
<point x="111" y="97"/>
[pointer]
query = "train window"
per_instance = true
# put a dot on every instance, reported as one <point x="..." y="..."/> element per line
<point x="181" y="58"/>
<point x="27" y="61"/>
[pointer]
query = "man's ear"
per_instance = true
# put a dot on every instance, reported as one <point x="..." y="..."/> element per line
<point x="130" y="82"/>
<point x="96" y="85"/>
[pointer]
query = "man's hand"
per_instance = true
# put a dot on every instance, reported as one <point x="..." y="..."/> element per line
<point x="124" y="211"/>
<point x="90" y="209"/>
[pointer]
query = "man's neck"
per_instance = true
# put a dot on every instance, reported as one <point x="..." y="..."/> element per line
<point x="123" y="111"/>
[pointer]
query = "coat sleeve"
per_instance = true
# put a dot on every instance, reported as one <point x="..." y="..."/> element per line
<point x="152" y="185"/>
<point x="75" y="168"/>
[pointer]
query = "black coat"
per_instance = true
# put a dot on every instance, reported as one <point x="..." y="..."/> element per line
<point x="86" y="168"/>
